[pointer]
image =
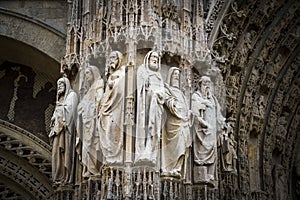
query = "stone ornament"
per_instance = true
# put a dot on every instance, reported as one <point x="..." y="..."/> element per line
<point x="208" y="121"/>
<point x="62" y="132"/>
<point x="150" y="99"/>
<point x="88" y="140"/>
<point x="176" y="138"/>
<point x="111" y="112"/>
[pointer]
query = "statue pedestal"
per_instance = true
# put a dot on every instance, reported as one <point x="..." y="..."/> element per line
<point x="89" y="189"/>
<point x="65" y="192"/>
<point x="200" y="174"/>
<point x="145" y="183"/>
<point x="93" y="188"/>
<point x="205" y="193"/>
<point x="172" y="188"/>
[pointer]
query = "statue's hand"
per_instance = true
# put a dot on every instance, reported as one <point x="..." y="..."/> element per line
<point x="52" y="121"/>
<point x="147" y="84"/>
<point x="51" y="134"/>
<point x="203" y="123"/>
<point x="160" y="96"/>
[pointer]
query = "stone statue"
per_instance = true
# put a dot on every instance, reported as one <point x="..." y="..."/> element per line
<point x="86" y="126"/>
<point x="176" y="137"/>
<point x="62" y="132"/>
<point x="111" y="111"/>
<point x="227" y="146"/>
<point x="150" y="99"/>
<point x="207" y="122"/>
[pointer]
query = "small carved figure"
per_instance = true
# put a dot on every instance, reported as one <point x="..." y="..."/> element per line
<point x="176" y="137"/>
<point x="62" y="132"/>
<point x="227" y="146"/>
<point x="150" y="99"/>
<point x="87" y="134"/>
<point x="280" y="182"/>
<point x="208" y="121"/>
<point x="111" y="111"/>
<point x="231" y="90"/>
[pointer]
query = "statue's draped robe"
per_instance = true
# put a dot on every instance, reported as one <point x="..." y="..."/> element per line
<point x="87" y="131"/>
<point x="149" y="114"/>
<point x="205" y="139"/>
<point x="111" y="115"/>
<point x="176" y="132"/>
<point x="63" y="133"/>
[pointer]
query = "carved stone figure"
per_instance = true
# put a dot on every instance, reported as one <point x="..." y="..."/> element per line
<point x="62" y="132"/>
<point x="231" y="91"/>
<point x="227" y="146"/>
<point x="280" y="182"/>
<point x="150" y="99"/>
<point x="86" y="126"/>
<point x="111" y="111"/>
<point x="208" y="120"/>
<point x="176" y="137"/>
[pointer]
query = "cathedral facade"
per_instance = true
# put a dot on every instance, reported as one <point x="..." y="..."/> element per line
<point x="160" y="99"/>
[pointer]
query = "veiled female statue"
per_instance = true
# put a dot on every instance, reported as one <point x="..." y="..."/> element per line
<point x="111" y="112"/>
<point x="208" y="121"/>
<point x="62" y="132"/>
<point x="150" y="99"/>
<point x="176" y="137"/>
<point x="86" y="126"/>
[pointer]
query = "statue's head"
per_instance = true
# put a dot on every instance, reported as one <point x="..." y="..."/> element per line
<point x="63" y="86"/>
<point x="152" y="61"/>
<point x="115" y="59"/>
<point x="205" y="86"/>
<point x="92" y="74"/>
<point x="173" y="78"/>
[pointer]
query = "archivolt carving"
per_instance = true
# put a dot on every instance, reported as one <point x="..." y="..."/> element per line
<point x="26" y="159"/>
